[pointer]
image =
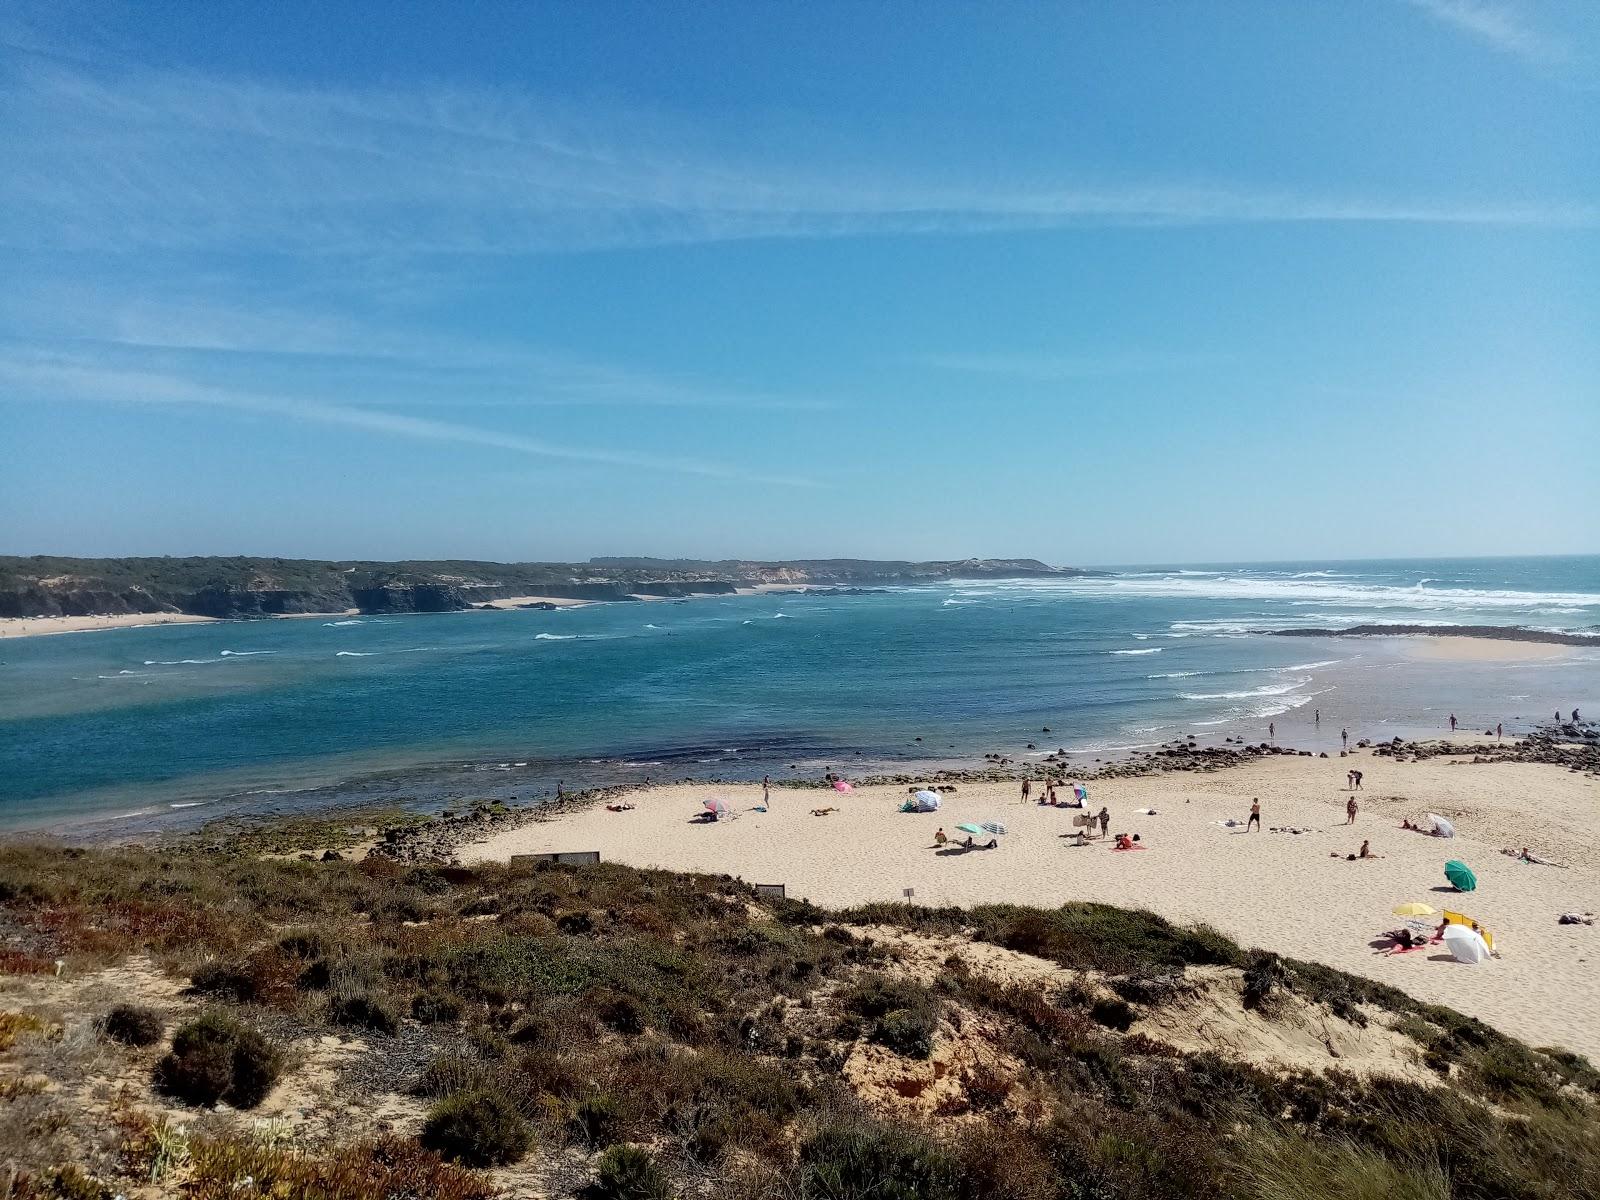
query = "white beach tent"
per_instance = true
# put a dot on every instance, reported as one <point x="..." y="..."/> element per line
<point x="928" y="801"/>
<point x="1466" y="944"/>
<point x="1442" y="827"/>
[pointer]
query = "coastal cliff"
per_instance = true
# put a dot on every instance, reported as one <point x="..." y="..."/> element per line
<point x="46" y="586"/>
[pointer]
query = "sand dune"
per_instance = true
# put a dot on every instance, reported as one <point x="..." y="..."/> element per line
<point x="1276" y="890"/>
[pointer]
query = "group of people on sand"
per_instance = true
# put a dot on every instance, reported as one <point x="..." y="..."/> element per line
<point x="941" y="838"/>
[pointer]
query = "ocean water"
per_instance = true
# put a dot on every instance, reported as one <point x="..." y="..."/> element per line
<point x="140" y="728"/>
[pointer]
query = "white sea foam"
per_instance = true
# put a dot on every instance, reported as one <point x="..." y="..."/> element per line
<point x="1272" y="689"/>
<point x="179" y="662"/>
<point x="555" y="637"/>
<point x="338" y="624"/>
<point x="244" y="653"/>
<point x="1334" y="590"/>
<point x="1175" y="675"/>
<point x="1312" y="666"/>
<point x="1150" y="650"/>
<point x="652" y="626"/>
<point x="353" y="654"/>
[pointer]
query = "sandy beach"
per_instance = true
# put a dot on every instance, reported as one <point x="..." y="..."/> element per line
<point x="1482" y="649"/>
<point x="1280" y="891"/>
<point x="39" y="626"/>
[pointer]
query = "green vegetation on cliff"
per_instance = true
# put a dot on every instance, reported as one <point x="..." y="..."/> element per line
<point x="602" y="1031"/>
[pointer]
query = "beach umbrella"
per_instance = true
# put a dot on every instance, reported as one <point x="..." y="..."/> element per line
<point x="928" y="800"/>
<point x="1460" y="875"/>
<point x="1465" y="944"/>
<point x="993" y="827"/>
<point x="839" y="785"/>
<point x="1080" y="792"/>
<point x="716" y="805"/>
<point x="1414" y="908"/>
<point x="1442" y="827"/>
<point x="971" y="827"/>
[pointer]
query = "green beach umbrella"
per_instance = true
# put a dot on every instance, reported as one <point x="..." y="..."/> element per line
<point x="1460" y="875"/>
<point x="971" y="827"/>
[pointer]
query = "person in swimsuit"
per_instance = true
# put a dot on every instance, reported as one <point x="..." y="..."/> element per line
<point x="1105" y="820"/>
<point x="1350" y="811"/>
<point x="1255" y="816"/>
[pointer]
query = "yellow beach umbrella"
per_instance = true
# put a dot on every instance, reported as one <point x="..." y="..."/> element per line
<point x="1414" y="908"/>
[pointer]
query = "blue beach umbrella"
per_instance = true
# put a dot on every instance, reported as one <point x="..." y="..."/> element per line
<point x="992" y="827"/>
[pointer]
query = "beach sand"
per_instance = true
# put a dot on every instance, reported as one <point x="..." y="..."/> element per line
<point x="38" y="626"/>
<point x="1480" y="649"/>
<point x="556" y="601"/>
<point x="1279" y="891"/>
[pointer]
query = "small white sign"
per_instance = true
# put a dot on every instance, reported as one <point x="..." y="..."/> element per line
<point x="909" y="892"/>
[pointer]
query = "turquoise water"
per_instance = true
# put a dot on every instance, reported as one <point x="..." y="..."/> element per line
<point x="146" y="725"/>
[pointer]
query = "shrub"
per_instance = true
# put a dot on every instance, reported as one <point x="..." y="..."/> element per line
<point x="216" y="1058"/>
<point x="597" y="1119"/>
<point x="871" y="1162"/>
<point x="907" y="1033"/>
<point x="479" y="1128"/>
<point x="225" y="981"/>
<point x="134" y="1026"/>
<point x="447" y="1074"/>
<point x="627" y="1173"/>
<point x="363" y="1011"/>
<point x="435" y="1008"/>
<point x="619" y="1011"/>
<point x="392" y="1167"/>
<point x="1113" y="1014"/>
<point x="904" y="1015"/>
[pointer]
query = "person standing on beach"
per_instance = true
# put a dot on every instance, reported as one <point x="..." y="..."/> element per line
<point x="1499" y="731"/>
<point x="1344" y="736"/>
<point x="766" y="791"/>
<point x="1350" y="781"/>
<point x="1316" y="718"/>
<point x="1452" y="722"/>
<point x="1272" y="730"/>
<point x="1104" y="816"/>
<point x="1255" y="816"/>
<point x="1027" y="789"/>
<point x="1350" y="811"/>
<point x="1358" y="781"/>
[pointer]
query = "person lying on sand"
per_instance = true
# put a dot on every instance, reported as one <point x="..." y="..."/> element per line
<point x="822" y="812"/>
<point x="1404" y="940"/>
<point x="1525" y="855"/>
<point x="619" y="807"/>
<point x="1124" y="842"/>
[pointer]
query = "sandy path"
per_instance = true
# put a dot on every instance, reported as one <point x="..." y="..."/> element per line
<point x="1279" y="891"/>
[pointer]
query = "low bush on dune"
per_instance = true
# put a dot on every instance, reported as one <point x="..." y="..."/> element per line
<point x="395" y="1168"/>
<point x="217" y="1058"/>
<point x="627" y="1173"/>
<point x="134" y="1026"/>
<point x="479" y="1129"/>
<point x="363" y="1011"/>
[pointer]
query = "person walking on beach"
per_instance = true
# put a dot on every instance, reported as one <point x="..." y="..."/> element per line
<point x="1575" y="717"/>
<point x="1255" y="816"/>
<point x="1316" y="718"/>
<point x="1344" y="736"/>
<point x="1452" y="722"/>
<point x="1358" y="781"/>
<point x="1272" y="730"/>
<point x="1104" y="816"/>
<point x="766" y="791"/>
<point x="1499" y="731"/>
<point x="1350" y="811"/>
<point x="1027" y="789"/>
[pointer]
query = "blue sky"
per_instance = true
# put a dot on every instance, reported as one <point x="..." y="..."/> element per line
<point x="1090" y="282"/>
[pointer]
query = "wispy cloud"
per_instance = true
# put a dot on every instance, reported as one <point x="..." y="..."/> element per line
<point x="145" y="160"/>
<point x="1500" y="26"/>
<point x="1053" y="368"/>
<point x="45" y="378"/>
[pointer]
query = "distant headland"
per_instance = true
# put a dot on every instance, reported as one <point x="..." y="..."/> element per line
<point x="231" y="588"/>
